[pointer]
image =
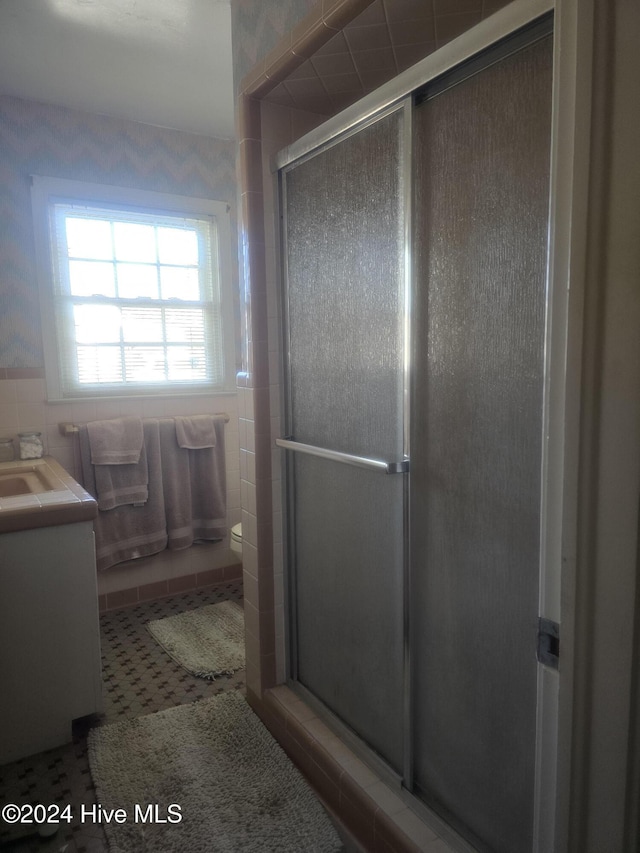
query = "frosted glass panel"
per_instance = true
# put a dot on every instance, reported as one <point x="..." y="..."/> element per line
<point x="349" y="596"/>
<point x="345" y="281"/>
<point x="345" y="277"/>
<point x="482" y="160"/>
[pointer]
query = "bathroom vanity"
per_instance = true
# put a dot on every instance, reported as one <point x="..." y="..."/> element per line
<point x="50" y="670"/>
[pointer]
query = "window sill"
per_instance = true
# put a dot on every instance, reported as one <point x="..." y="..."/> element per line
<point x="230" y="392"/>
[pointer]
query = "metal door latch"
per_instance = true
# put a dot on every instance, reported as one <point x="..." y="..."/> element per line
<point x="548" y="642"/>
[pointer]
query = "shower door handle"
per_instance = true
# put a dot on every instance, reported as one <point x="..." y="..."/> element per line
<point x="401" y="467"/>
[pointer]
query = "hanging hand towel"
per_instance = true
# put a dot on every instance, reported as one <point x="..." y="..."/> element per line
<point x="128" y="532"/>
<point x="115" y="442"/>
<point x="122" y="485"/>
<point x="120" y="460"/>
<point x="196" y="432"/>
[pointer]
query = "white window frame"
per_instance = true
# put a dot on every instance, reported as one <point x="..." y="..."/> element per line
<point x="45" y="192"/>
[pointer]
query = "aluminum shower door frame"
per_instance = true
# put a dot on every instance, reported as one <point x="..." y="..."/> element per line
<point x="387" y="98"/>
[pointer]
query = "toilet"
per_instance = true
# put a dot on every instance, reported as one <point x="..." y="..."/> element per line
<point x="236" y="540"/>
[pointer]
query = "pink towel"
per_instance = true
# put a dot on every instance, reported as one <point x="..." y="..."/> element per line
<point x="196" y="432"/>
<point x="120" y="460"/>
<point x="194" y="485"/>
<point x="186" y="496"/>
<point x="128" y="532"/>
<point x="117" y="441"/>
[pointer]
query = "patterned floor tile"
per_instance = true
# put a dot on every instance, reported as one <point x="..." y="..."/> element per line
<point x="138" y="678"/>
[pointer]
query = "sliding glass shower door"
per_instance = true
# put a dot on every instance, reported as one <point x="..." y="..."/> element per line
<point x="481" y="213"/>
<point x="414" y="601"/>
<point x="344" y="212"/>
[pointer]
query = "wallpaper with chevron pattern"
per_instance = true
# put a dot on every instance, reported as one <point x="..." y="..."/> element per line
<point x="258" y="25"/>
<point x="39" y="139"/>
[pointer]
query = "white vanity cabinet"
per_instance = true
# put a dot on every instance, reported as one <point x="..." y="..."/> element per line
<point x="50" y="668"/>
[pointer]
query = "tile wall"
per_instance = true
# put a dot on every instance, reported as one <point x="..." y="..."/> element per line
<point x="263" y="130"/>
<point x="23" y="407"/>
<point x="387" y="37"/>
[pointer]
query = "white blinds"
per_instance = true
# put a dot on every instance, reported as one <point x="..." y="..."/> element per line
<point x="136" y="298"/>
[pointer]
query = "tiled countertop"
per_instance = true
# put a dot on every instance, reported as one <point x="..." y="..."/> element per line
<point x="61" y="501"/>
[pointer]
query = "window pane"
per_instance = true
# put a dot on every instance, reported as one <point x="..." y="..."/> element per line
<point x="142" y="325"/>
<point x="178" y="246"/>
<point x="180" y="283"/>
<point x="99" y="364"/>
<point x="144" y="364"/>
<point x="96" y="324"/>
<point x="186" y="363"/>
<point x="137" y="280"/>
<point x="88" y="238"/>
<point x="134" y="242"/>
<point x="91" y="278"/>
<point x="184" y="326"/>
<point x="125" y="278"/>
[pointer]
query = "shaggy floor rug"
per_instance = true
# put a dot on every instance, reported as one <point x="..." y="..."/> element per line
<point x="208" y="642"/>
<point x="201" y="778"/>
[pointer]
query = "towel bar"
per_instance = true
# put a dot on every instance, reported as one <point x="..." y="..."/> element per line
<point x="401" y="467"/>
<point x="65" y="428"/>
<point x="68" y="429"/>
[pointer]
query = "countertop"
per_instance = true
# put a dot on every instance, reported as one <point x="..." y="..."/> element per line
<point x="57" y="498"/>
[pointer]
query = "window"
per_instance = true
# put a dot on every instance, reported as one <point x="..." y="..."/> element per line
<point x="135" y="291"/>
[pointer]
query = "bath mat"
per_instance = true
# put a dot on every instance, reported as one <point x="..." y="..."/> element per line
<point x="216" y="777"/>
<point x="208" y="642"/>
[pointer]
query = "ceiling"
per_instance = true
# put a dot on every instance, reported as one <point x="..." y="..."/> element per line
<point x="169" y="62"/>
<point x="162" y="62"/>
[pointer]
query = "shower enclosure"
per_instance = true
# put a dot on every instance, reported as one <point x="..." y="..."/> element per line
<point x="414" y="249"/>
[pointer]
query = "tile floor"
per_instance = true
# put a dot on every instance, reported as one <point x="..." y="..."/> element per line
<point x="138" y="678"/>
